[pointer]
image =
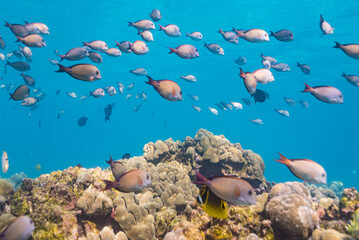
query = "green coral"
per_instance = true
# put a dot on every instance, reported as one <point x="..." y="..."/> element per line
<point x="19" y="205"/>
<point x="353" y="226"/>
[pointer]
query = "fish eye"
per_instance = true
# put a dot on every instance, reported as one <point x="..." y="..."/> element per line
<point x="250" y="192"/>
<point x="323" y="175"/>
<point x="218" y="48"/>
<point x="97" y="72"/>
<point x="180" y="92"/>
<point x="148" y="176"/>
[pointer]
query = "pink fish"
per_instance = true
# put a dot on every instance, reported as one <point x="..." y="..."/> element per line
<point x="130" y="181"/>
<point x="185" y="51"/>
<point x="167" y="89"/>
<point x="326" y="94"/>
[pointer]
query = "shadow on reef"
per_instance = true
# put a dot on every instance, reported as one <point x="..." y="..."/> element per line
<point x="71" y="204"/>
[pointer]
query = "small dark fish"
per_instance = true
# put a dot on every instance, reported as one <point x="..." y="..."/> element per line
<point x="18" y="54"/>
<point x="304" y="67"/>
<point x="241" y="61"/>
<point x="95" y="57"/>
<point x="28" y="80"/>
<point x="82" y="121"/>
<point x="155" y="15"/>
<point x="282" y="35"/>
<point x="126" y="156"/>
<point x="17" y="29"/>
<point x="79" y="166"/>
<point x="20" y="93"/>
<point x="2" y="43"/>
<point x="58" y="91"/>
<point x="246" y="101"/>
<point x="108" y="112"/>
<point x="260" y="96"/>
<point x="19" y="66"/>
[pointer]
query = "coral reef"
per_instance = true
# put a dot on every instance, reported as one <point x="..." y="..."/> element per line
<point x="353" y="226"/>
<point x="71" y="204"/>
<point x="16" y="179"/>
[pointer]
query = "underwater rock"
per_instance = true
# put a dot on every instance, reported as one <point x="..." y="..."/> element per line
<point x="6" y="193"/>
<point x="330" y="234"/>
<point x="349" y="203"/>
<point x="253" y="236"/>
<point x="94" y="203"/>
<point x="175" y="235"/>
<point x="289" y="209"/>
<point x="16" y="180"/>
<point x="319" y="192"/>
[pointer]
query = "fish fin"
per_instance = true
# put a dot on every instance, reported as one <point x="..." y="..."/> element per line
<point x="321" y="18"/>
<point x="117" y="44"/>
<point x="344" y="75"/>
<point x="61" y="68"/>
<point x="91" y="78"/>
<point x="173" y="50"/>
<point x="110" y="161"/>
<point x="162" y="28"/>
<point x="130" y="23"/>
<point x="85" y="44"/>
<point x="220" y="31"/>
<point x="139" y="32"/>
<point x="109" y="184"/>
<point x="237" y="192"/>
<point x="18" y="39"/>
<point x="239" y="34"/>
<point x="271" y="34"/>
<point x="187" y="34"/>
<point x="173" y="92"/>
<point x="337" y="45"/>
<point x="283" y="160"/>
<point x="298" y="64"/>
<point x="201" y="180"/>
<point x="139" y="181"/>
<point x="62" y="57"/>
<point x="10" y="96"/>
<point x="307" y="88"/>
<point x="205" y="44"/>
<point x="26" y="22"/>
<point x="242" y="74"/>
<point x="152" y="82"/>
<point x="7" y="24"/>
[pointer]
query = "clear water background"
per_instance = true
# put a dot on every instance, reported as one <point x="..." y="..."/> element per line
<point x="325" y="133"/>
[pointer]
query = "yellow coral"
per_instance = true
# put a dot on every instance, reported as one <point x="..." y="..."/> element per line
<point x="353" y="226"/>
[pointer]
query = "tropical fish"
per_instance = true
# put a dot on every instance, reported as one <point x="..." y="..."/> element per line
<point x="26" y="51"/>
<point x="352" y="50"/>
<point x="167" y="89"/>
<point x="304" y="68"/>
<point x="142" y="25"/>
<point x="32" y="28"/>
<point x="71" y="94"/>
<point x="352" y="79"/>
<point x="139" y="48"/>
<point x="263" y="76"/>
<point x="83" y="71"/>
<point x="284" y="113"/>
<point x="42" y="28"/>
<point x="211" y="204"/>
<point x="82" y="121"/>
<point x="139" y="72"/>
<point x="97" y="45"/>
<point x="98" y="93"/>
<point x="120" y="87"/>
<point x="128" y="96"/>
<point x="185" y="51"/>
<point x="305" y="169"/>
<point x="254" y="35"/>
<point x="113" y="52"/>
<point x="111" y="91"/>
<point x="108" y="112"/>
<point x="282" y="35"/>
<point x="213" y="110"/>
<point x="193" y="97"/>
<point x="237" y="105"/>
<point x="59" y="114"/>
<point x="137" y="108"/>
<point x="171" y="30"/>
<point x="249" y="81"/>
<point x="189" y="78"/>
<point x="2" y="43"/>
<point x="129" y="87"/>
<point x="124" y="46"/>
<point x="19" y="229"/>
<point x="38" y="167"/>
<point x="146" y="35"/>
<point x="256" y="121"/>
<point x="326" y="94"/>
<point x="4" y="162"/>
<point x="130" y="181"/>
<point x="75" y="54"/>
<point x="246" y="101"/>
<point x="197" y="36"/>
<point x="155" y="15"/>
<point x="19" y="66"/>
<point x="241" y="61"/>
<point x="197" y="109"/>
<point x="325" y="26"/>
<point x="260" y="96"/>
<point x="126" y="156"/>
<point x="17" y="29"/>
<point x="28" y="80"/>
<point x="304" y="104"/>
<point x="29" y="101"/>
<point x="271" y="60"/>
<point x="117" y="168"/>
<point x="214" y="48"/>
<point x="32" y="40"/>
<point x="289" y="101"/>
<point x="229" y="188"/>
<point x="20" y="93"/>
<point x="230" y="37"/>
<point x="18" y="54"/>
<point x="281" y="67"/>
<point x="95" y="57"/>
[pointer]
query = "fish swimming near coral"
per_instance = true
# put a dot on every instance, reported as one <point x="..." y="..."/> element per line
<point x="211" y="204"/>
<point x="130" y="181"/>
<point x="305" y="169"/>
<point x="117" y="168"/>
<point x="20" y="229"/>
<point x="38" y="167"/>
<point x="229" y="188"/>
<point x="4" y="162"/>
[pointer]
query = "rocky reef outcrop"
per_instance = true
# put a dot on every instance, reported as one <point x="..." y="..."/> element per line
<point x="71" y="204"/>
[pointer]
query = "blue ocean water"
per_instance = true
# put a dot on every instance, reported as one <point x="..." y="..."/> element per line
<point x="324" y="133"/>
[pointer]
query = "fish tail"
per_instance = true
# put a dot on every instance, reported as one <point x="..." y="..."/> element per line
<point x="8" y="63"/>
<point x="239" y="33"/>
<point x="139" y="32"/>
<point x="130" y="23"/>
<point x="162" y="28"/>
<point x="18" y="39"/>
<point x="7" y="24"/>
<point x="61" y="68"/>
<point x="298" y="64"/>
<point x="261" y="55"/>
<point x="85" y="43"/>
<point x="173" y="50"/>
<point x="220" y="31"/>
<point x="109" y="184"/>
<point x="151" y="81"/>
<point x="187" y="34"/>
<point x="110" y="161"/>
<point x="201" y="180"/>
<point x="337" y="45"/>
<point x="344" y="75"/>
<point x="321" y="18"/>
<point x="205" y="44"/>
<point x="62" y="57"/>
<point x="242" y="74"/>
<point x="117" y="44"/>
<point x="307" y="88"/>
<point x="10" y="96"/>
<point x="271" y="34"/>
<point x="283" y="160"/>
